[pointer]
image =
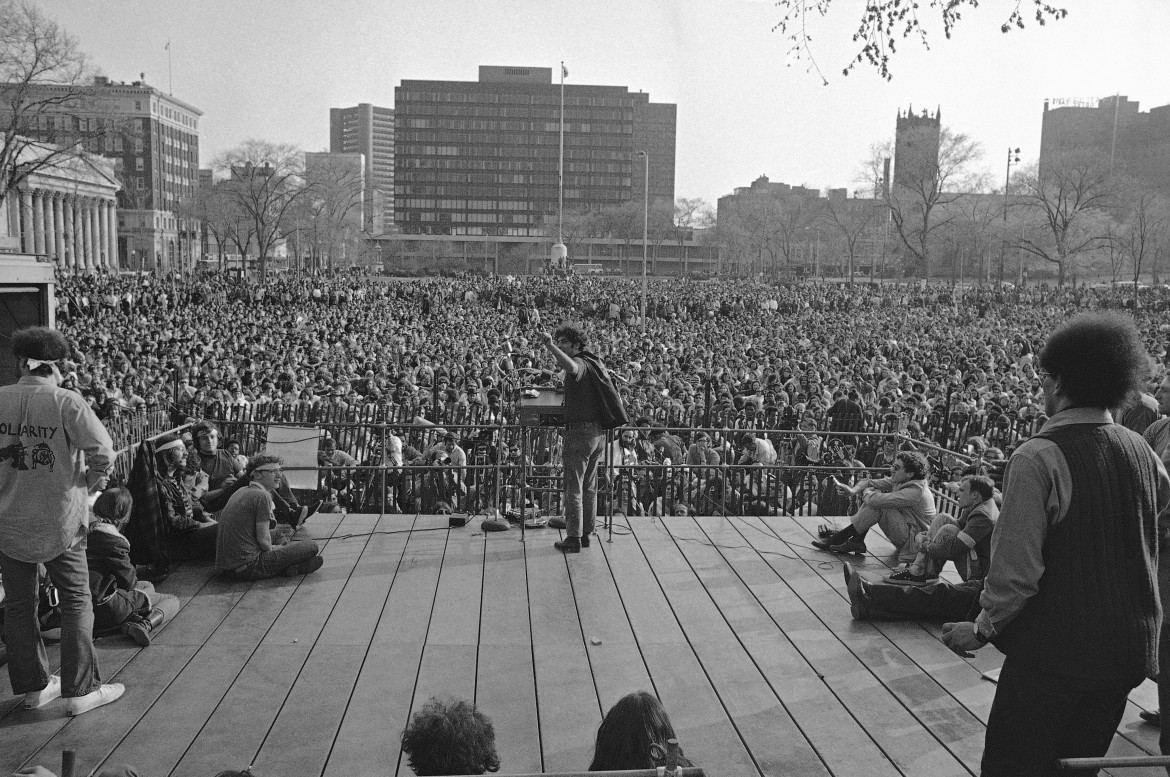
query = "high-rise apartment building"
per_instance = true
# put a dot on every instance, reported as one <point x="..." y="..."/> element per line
<point x="481" y="157"/>
<point x="369" y="130"/>
<point x="153" y="139"/>
<point x="1113" y="130"/>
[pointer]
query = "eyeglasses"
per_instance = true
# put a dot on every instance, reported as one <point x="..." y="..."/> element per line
<point x="1042" y="374"/>
<point x="273" y="470"/>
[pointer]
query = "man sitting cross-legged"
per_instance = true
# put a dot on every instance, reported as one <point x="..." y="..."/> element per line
<point x="249" y="547"/>
<point x="965" y="541"/>
<point x="901" y="504"/>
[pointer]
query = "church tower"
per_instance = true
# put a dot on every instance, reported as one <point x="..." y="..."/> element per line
<point x="916" y="146"/>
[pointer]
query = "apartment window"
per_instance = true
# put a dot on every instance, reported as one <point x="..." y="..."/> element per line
<point x="117" y="144"/>
<point x="139" y="165"/>
<point x="138" y="145"/>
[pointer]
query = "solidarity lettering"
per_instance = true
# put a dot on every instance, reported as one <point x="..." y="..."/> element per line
<point x="28" y="430"/>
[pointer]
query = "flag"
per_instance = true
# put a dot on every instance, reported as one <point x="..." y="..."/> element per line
<point x="564" y="71"/>
<point x="168" y="46"/>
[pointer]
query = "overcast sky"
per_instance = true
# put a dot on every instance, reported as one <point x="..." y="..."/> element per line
<point x="273" y="68"/>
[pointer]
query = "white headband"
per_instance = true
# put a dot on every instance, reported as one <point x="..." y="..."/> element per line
<point x="172" y="444"/>
<point x="38" y="363"/>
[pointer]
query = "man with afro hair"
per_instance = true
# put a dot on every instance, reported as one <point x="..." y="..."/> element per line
<point x="1071" y="595"/>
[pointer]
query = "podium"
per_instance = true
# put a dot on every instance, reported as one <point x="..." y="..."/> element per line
<point x="542" y="406"/>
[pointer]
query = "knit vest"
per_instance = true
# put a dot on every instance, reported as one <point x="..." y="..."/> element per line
<point x="1096" y="614"/>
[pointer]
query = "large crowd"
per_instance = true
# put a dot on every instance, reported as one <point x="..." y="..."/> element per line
<point x="952" y="365"/>
<point x="765" y="398"/>
<point x="350" y="341"/>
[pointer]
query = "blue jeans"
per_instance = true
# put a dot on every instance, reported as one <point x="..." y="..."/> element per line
<point x="273" y="562"/>
<point x="581" y="455"/>
<point x="28" y="664"/>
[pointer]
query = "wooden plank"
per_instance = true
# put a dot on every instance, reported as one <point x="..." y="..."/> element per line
<point x="696" y="713"/>
<point x="368" y="739"/>
<point x="159" y="740"/>
<point x="505" y="688"/>
<point x="448" y="665"/>
<point x="566" y="696"/>
<point x="235" y="732"/>
<point x="256" y="698"/>
<point x="773" y="739"/>
<point x="93" y="735"/>
<point x="455" y="619"/>
<point x="871" y="727"/>
<point x="355" y="616"/>
<point x="302" y="738"/>
<point x="919" y="640"/>
<point x="937" y="709"/>
<point x="616" y="661"/>
<point x="315" y="597"/>
<point x="24" y="732"/>
<point x="326" y="684"/>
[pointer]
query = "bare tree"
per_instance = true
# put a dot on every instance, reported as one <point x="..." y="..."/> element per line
<point x="1145" y="226"/>
<point x="851" y="220"/>
<point x="45" y="95"/>
<point x="885" y="23"/>
<point x="793" y="215"/>
<point x="212" y="207"/>
<point x="926" y="186"/>
<point x="624" y="222"/>
<point x="1065" y="205"/>
<point x="265" y="182"/>
<point x="690" y="214"/>
<point x="333" y="200"/>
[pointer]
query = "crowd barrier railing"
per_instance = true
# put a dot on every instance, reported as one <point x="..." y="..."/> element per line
<point x="946" y="429"/>
<point x="512" y="471"/>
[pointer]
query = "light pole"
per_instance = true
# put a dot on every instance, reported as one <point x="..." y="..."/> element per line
<point x="645" y="232"/>
<point x="1013" y="158"/>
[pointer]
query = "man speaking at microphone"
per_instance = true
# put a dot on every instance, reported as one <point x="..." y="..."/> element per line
<point x="592" y="405"/>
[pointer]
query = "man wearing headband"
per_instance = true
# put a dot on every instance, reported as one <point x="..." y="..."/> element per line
<point x="55" y="453"/>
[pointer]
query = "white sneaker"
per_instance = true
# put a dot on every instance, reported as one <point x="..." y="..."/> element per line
<point x="103" y="695"/>
<point x="36" y="699"/>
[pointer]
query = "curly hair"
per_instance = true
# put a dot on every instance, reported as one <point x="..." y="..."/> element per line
<point x="450" y="737"/>
<point x="260" y="460"/>
<point x="635" y="723"/>
<point x="572" y="334"/>
<point x="42" y="343"/>
<point x="915" y="464"/>
<point x="1098" y="358"/>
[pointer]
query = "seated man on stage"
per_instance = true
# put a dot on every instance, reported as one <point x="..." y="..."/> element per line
<point x="966" y="541"/>
<point x="901" y="504"/>
<point x="937" y="599"/>
<point x="249" y="545"/>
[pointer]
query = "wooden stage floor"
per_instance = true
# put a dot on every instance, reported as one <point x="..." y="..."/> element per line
<point x="740" y="627"/>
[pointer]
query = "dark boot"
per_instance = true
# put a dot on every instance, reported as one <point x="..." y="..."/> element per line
<point x="569" y="544"/>
<point x="837" y="538"/>
<point x="140" y="630"/>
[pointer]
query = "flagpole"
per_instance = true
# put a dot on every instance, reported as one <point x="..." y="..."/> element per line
<point x="561" y="169"/>
<point x="170" y="71"/>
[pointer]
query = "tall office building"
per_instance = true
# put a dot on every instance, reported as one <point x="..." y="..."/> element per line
<point x="1113" y="130"/>
<point x="153" y="139"/>
<point x="481" y="157"/>
<point x="369" y="130"/>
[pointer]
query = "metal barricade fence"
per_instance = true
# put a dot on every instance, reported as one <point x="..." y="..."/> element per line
<point x="512" y="468"/>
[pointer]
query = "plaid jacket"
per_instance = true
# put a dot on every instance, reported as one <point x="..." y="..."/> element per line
<point x="147" y="530"/>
